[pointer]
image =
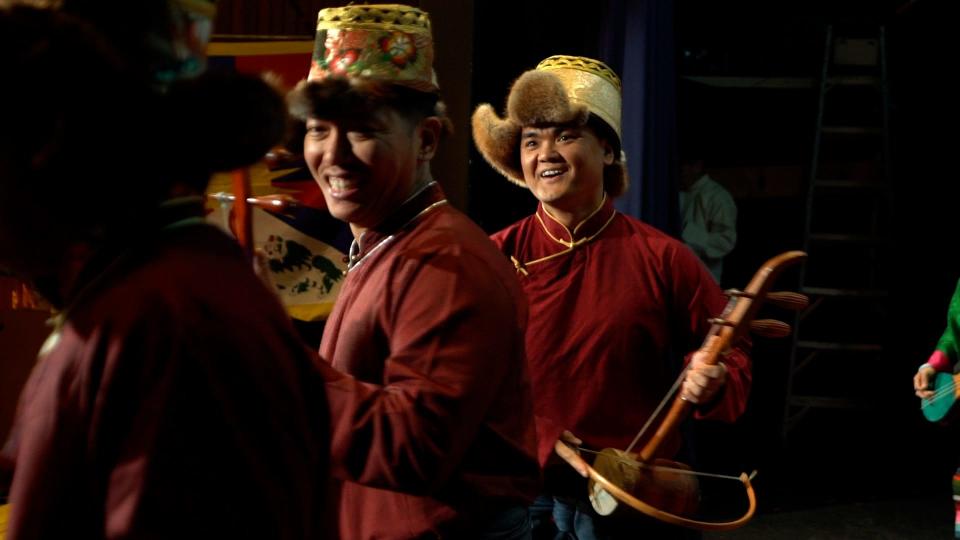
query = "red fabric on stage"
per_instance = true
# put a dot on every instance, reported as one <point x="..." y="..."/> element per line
<point x="433" y="427"/>
<point x="610" y="317"/>
<point x="288" y="66"/>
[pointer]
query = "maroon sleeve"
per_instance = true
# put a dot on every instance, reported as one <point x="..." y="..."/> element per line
<point x="453" y="330"/>
<point x="498" y="239"/>
<point x="50" y="448"/>
<point x="699" y="296"/>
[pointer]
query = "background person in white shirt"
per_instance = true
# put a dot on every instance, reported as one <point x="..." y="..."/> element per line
<point x="709" y="215"/>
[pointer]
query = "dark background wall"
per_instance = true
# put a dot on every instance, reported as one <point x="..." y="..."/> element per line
<point x="886" y="449"/>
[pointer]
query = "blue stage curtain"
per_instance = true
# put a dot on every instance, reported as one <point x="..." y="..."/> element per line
<point x="638" y="43"/>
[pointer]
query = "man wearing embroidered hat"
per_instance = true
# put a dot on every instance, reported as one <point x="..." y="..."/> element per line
<point x="611" y="298"/>
<point x="430" y="404"/>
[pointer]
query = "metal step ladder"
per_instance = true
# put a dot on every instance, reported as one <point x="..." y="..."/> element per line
<point x="846" y="231"/>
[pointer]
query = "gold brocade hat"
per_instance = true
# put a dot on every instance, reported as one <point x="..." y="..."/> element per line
<point x="389" y="43"/>
<point x="590" y="83"/>
<point x="561" y="90"/>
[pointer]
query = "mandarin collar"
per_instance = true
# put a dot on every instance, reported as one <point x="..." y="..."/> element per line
<point x="593" y="224"/>
<point x="428" y="195"/>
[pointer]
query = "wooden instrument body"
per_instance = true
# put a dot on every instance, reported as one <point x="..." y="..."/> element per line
<point x="659" y="485"/>
<point x="610" y="496"/>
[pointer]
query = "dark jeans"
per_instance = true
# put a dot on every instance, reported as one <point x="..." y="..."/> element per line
<point x="511" y="523"/>
<point x="556" y="518"/>
<point x="543" y="523"/>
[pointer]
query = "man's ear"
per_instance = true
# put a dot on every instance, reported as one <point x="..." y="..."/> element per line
<point x="608" y="155"/>
<point x="429" y="130"/>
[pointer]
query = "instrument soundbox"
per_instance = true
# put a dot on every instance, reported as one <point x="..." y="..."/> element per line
<point x="946" y="391"/>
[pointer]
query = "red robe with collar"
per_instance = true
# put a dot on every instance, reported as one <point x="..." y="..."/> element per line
<point x="430" y="400"/>
<point x="614" y="306"/>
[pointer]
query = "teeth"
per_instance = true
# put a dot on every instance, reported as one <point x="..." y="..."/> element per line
<point x="339" y="184"/>
<point x="552" y="172"/>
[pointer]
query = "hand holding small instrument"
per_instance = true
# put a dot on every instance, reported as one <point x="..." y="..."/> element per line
<point x="943" y="391"/>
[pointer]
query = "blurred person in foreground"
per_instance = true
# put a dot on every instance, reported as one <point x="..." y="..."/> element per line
<point x="170" y="399"/>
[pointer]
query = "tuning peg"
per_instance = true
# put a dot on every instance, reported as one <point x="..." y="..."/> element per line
<point x="721" y="322"/>
<point x="770" y="328"/>
<point x="788" y="300"/>
<point x="738" y="293"/>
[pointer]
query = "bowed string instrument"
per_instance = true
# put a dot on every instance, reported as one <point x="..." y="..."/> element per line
<point x="643" y="479"/>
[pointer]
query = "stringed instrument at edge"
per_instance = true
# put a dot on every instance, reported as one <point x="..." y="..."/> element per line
<point x="946" y="392"/>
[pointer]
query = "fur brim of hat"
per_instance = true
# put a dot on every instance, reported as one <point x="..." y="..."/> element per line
<point x="537" y="98"/>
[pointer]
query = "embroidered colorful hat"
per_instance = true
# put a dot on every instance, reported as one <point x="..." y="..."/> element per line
<point x="561" y="90"/>
<point x="388" y="43"/>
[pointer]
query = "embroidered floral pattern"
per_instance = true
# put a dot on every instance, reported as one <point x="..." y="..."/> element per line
<point x="399" y="48"/>
<point x="340" y="63"/>
<point x="384" y="55"/>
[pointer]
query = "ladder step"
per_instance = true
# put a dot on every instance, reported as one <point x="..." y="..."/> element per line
<point x="829" y="291"/>
<point x="833" y="346"/>
<point x="851" y="130"/>
<point x="754" y="82"/>
<point x="848" y="184"/>
<point x="854" y="80"/>
<point x="826" y="238"/>
<point x="828" y="402"/>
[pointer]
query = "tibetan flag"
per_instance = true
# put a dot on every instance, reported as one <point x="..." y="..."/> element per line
<point x="306" y="257"/>
<point x="305" y="247"/>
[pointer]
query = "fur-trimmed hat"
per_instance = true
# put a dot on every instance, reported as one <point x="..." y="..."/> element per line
<point x="561" y="90"/>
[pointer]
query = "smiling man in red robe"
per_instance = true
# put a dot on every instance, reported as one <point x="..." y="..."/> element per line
<point x="614" y="303"/>
<point x="431" y="410"/>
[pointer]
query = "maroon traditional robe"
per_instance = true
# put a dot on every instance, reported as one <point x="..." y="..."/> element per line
<point x="172" y="406"/>
<point x="614" y="305"/>
<point x="433" y="427"/>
